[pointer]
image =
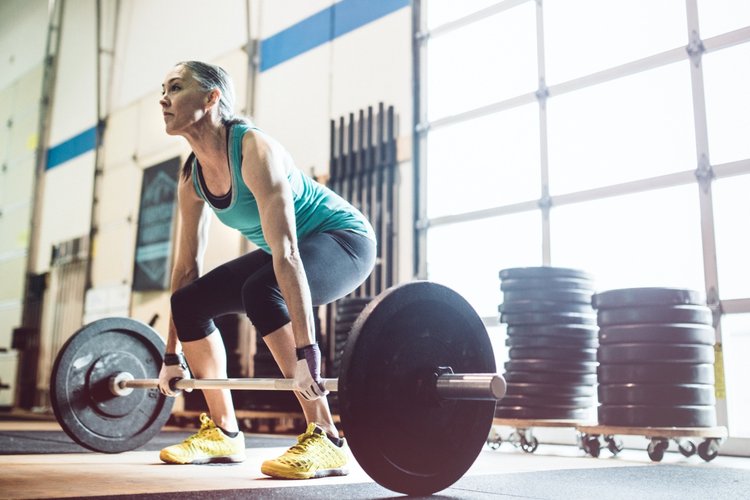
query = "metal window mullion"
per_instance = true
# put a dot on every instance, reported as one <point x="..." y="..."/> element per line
<point x="704" y="175"/>
<point x="725" y="40"/>
<point x="515" y="208"/>
<point x="638" y="186"/>
<point x="627" y="69"/>
<point x="542" y="94"/>
<point x="735" y="306"/>
<point x="482" y="111"/>
<point x="479" y="15"/>
<point x="419" y="142"/>
<point x="740" y="167"/>
<point x="630" y="68"/>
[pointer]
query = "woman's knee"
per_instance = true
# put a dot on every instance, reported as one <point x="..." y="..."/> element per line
<point x="189" y="319"/>
<point x="264" y="305"/>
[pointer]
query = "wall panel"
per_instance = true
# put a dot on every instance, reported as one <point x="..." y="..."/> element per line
<point x="74" y="102"/>
<point x="21" y="20"/>
<point x="120" y="136"/>
<point x="66" y="208"/>
<point x="155" y="35"/>
<point x="10" y="317"/>
<point x="293" y="105"/>
<point x="276" y="15"/>
<point x="373" y="64"/>
<point x="14" y="232"/>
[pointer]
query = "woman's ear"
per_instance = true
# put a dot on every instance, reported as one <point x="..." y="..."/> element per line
<point x="213" y="97"/>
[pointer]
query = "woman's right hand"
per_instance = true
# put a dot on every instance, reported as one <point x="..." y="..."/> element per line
<point x="170" y="371"/>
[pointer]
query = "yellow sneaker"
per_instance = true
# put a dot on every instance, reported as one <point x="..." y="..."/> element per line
<point x="208" y="445"/>
<point x="314" y="455"/>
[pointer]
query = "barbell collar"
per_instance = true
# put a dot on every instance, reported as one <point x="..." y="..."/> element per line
<point x="481" y="386"/>
<point x="489" y="386"/>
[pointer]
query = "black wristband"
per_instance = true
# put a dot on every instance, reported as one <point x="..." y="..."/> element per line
<point x="172" y="359"/>
<point x="301" y="350"/>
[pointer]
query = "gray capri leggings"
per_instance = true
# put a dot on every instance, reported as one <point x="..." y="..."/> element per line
<point x="336" y="263"/>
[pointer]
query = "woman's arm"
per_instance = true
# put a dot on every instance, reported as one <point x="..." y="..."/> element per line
<point x="192" y="238"/>
<point x="264" y="169"/>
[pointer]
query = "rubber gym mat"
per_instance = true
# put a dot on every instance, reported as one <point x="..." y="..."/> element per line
<point x="662" y="481"/>
<point x="44" y="442"/>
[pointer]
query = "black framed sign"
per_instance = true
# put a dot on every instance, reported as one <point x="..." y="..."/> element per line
<point x="153" y="248"/>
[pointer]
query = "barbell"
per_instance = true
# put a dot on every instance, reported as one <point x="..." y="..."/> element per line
<point x="417" y="390"/>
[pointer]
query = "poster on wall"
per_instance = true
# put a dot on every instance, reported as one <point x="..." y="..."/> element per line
<point x="153" y="249"/>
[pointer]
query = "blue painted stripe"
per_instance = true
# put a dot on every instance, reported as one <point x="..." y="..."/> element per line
<point x="322" y="27"/>
<point x="73" y="147"/>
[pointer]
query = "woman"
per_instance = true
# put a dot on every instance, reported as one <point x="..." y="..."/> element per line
<point x="314" y="248"/>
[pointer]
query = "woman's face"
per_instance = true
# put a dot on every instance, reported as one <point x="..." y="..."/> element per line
<point x="183" y="102"/>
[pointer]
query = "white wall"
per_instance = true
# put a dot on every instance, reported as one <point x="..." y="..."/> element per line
<point x="293" y="101"/>
<point x="20" y="87"/>
<point x="23" y="34"/>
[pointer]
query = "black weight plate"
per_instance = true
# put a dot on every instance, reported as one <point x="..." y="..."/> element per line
<point x="543" y="413"/>
<point x="565" y="295"/>
<point x="550" y="341"/>
<point x="548" y="365"/>
<point x="550" y="389"/>
<point x="544" y="272"/>
<point x="553" y="353"/>
<point x="674" y="333"/>
<point x="659" y="314"/>
<point x="530" y="401"/>
<point x="548" y="318"/>
<point x="586" y="379"/>
<point x="546" y="284"/>
<point x="655" y="353"/>
<point x="402" y="336"/>
<point x="656" y="394"/>
<point x="543" y="306"/>
<point x="79" y="387"/>
<point x="628" y="297"/>
<point x="573" y="331"/>
<point x="657" y="416"/>
<point x="656" y="373"/>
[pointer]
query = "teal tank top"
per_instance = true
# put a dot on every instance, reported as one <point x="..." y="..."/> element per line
<point x="317" y="209"/>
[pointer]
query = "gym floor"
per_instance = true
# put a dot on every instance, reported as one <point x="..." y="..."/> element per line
<point x="552" y="471"/>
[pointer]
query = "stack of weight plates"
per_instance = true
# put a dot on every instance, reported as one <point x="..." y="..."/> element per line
<point x="656" y="358"/>
<point x="552" y="336"/>
<point x="347" y="311"/>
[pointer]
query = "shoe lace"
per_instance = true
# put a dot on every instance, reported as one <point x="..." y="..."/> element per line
<point x="304" y="442"/>
<point x="207" y="427"/>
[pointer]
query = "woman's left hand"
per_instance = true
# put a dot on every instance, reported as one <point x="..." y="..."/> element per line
<point x="307" y="380"/>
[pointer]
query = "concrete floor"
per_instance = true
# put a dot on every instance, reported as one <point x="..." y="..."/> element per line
<point x="139" y="472"/>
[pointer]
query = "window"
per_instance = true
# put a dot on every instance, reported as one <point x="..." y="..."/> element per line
<point x="482" y="163"/>
<point x="631" y="128"/>
<point x="731" y="213"/>
<point x="727" y="83"/>
<point x="586" y="36"/>
<point x="650" y="238"/>
<point x="499" y="55"/>
<point x="585" y="134"/>
<point x="468" y="256"/>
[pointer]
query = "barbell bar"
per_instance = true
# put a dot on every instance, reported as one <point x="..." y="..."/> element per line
<point x="447" y="385"/>
<point x="412" y="424"/>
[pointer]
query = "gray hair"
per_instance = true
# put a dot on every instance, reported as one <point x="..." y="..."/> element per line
<point x="209" y="77"/>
